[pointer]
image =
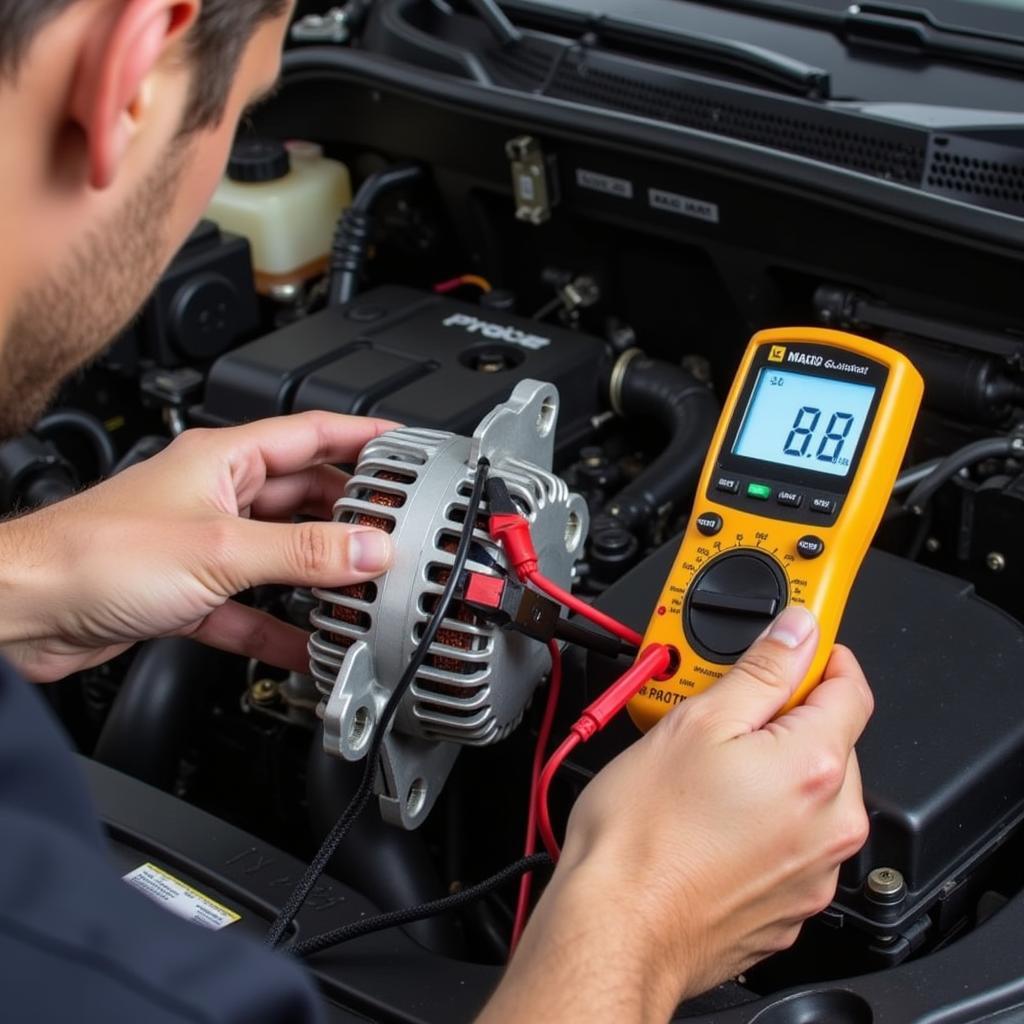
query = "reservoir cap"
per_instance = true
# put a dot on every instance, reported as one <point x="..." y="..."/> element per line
<point x="255" y="159"/>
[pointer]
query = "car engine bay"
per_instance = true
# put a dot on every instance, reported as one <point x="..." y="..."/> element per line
<point x="551" y="253"/>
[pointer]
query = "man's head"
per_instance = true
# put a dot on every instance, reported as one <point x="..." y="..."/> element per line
<point x="121" y="113"/>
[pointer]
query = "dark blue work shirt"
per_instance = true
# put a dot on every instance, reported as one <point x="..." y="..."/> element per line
<point x="76" y="942"/>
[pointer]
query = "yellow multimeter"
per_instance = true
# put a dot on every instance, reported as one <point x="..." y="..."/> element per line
<point x="799" y="472"/>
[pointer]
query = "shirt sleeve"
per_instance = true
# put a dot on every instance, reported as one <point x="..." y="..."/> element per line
<point x="76" y="942"/>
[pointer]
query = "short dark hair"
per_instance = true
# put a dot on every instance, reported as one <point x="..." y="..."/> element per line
<point x="216" y="43"/>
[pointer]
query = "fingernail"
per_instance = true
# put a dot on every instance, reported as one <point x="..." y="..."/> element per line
<point x="370" y="551"/>
<point x="792" y="627"/>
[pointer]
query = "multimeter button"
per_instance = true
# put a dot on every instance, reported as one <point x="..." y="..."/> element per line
<point x="791" y="498"/>
<point x="810" y="546"/>
<point x="760" y="491"/>
<point x="823" y="506"/>
<point x="727" y="484"/>
<point x="709" y="523"/>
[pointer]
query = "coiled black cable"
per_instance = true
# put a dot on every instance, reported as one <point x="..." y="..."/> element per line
<point x="396" y="918"/>
<point x="368" y="782"/>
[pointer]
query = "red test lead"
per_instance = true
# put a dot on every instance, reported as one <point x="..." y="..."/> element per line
<point x="526" y="882"/>
<point x="654" y="661"/>
<point x="508" y="526"/>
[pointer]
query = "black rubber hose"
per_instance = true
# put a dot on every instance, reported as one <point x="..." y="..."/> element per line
<point x="686" y="409"/>
<point x="913" y="475"/>
<point x="82" y="423"/>
<point x="388" y="865"/>
<point x="352" y="237"/>
<point x="976" y="451"/>
<point x="159" y="704"/>
<point x="33" y="473"/>
<point x="48" y="489"/>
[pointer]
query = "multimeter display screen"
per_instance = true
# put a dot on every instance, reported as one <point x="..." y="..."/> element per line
<point x="812" y="423"/>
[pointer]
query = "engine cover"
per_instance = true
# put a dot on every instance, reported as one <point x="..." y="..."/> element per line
<point x="477" y="680"/>
<point x="420" y="359"/>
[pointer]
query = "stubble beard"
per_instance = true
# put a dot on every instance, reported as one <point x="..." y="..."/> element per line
<point x="65" y="320"/>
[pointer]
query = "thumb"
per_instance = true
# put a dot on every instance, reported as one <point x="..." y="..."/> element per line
<point x="762" y="681"/>
<point x="311" y="554"/>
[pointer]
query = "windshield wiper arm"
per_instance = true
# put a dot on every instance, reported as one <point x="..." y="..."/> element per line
<point x="895" y="27"/>
<point x="887" y="25"/>
<point x="769" y="66"/>
<point x="491" y="14"/>
<point x="641" y="40"/>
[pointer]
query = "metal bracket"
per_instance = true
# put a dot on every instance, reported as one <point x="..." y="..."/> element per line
<point x="521" y="428"/>
<point x="332" y="27"/>
<point x="354" y="707"/>
<point x="414" y="773"/>
<point x="533" y="183"/>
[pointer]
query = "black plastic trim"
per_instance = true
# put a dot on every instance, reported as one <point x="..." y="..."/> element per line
<point x="947" y="217"/>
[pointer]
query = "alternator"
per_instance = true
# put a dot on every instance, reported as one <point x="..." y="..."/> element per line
<point x="477" y="680"/>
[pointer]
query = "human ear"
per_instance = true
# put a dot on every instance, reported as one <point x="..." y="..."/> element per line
<point x="116" y="78"/>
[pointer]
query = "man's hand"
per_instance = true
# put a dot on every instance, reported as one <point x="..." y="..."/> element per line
<point x="704" y="846"/>
<point x="160" y="549"/>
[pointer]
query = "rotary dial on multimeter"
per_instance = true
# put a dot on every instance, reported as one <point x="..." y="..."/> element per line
<point x="731" y="594"/>
<point x="799" y="472"/>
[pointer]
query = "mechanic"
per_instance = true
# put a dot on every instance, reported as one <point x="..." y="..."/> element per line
<point x="700" y="850"/>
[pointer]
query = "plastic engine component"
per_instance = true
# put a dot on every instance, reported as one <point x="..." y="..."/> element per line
<point x="477" y="680"/>
<point x="942" y="758"/>
<point x="419" y="359"/>
<point x="203" y="305"/>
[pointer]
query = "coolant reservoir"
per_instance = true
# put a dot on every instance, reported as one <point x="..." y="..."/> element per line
<point x="286" y="200"/>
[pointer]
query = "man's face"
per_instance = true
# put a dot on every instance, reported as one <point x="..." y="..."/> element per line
<point x="72" y="312"/>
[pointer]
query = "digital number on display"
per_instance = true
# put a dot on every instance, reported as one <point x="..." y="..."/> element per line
<point x="813" y="423"/>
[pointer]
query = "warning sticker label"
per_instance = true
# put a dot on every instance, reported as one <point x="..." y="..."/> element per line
<point x="622" y="188"/>
<point x="685" y="206"/>
<point x="179" y="898"/>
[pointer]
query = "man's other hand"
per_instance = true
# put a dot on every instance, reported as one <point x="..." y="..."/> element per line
<point x="160" y="549"/>
<point x="703" y="847"/>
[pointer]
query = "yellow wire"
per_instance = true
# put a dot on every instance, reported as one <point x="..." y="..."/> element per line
<point x="481" y="282"/>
